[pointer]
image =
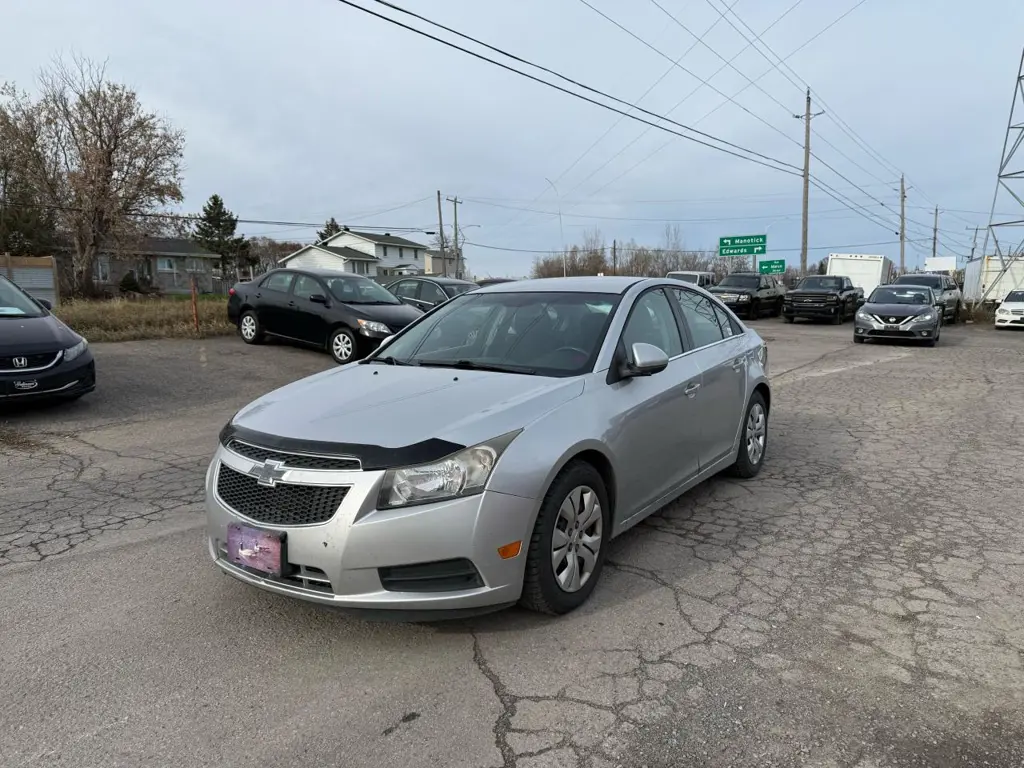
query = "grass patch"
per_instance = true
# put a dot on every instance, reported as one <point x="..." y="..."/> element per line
<point x="133" y="320"/>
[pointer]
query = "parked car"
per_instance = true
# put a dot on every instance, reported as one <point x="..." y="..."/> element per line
<point x="40" y="357"/>
<point x="944" y="286"/>
<point x="487" y="281"/>
<point x="487" y="454"/>
<point x="1010" y="312"/>
<point x="348" y="315"/>
<point x="822" y="296"/>
<point x="907" y="312"/>
<point x="703" y="279"/>
<point x="427" y="292"/>
<point x="750" y="294"/>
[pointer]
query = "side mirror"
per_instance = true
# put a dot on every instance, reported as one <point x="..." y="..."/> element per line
<point x="45" y="304"/>
<point x="645" y="360"/>
<point x="318" y="298"/>
<point x="861" y="301"/>
<point x="940" y="305"/>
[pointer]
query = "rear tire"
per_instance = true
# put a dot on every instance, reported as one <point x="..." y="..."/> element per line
<point x="543" y="589"/>
<point x="249" y="328"/>
<point x="956" y="314"/>
<point x="753" y="439"/>
<point x="342" y="346"/>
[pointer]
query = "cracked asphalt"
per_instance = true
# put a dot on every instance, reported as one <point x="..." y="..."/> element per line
<point x="860" y="604"/>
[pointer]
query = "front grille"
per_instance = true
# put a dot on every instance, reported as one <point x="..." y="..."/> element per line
<point x="294" y="460"/>
<point x="893" y="319"/>
<point x="42" y="360"/>
<point x="282" y="504"/>
<point x="1017" y="311"/>
<point x="441" y="576"/>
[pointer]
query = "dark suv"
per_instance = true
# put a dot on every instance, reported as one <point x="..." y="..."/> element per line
<point x="750" y="294"/>
<point x="943" y="286"/>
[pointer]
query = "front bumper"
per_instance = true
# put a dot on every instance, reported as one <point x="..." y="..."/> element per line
<point x="1009" y="321"/>
<point x="813" y="309"/>
<point x="869" y="329"/>
<point x="360" y="558"/>
<point x="63" y="380"/>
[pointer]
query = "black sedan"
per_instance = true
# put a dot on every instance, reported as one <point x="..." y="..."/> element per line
<point x="40" y="357"/>
<point x="427" y="292"/>
<point x="348" y="315"/>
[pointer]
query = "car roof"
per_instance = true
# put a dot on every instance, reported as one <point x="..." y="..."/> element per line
<point x="435" y="279"/>
<point x="322" y="272"/>
<point x="584" y="284"/>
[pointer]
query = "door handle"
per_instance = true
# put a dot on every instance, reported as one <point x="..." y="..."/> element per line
<point x="691" y="389"/>
<point x="258" y="295"/>
<point x="291" y="303"/>
<point x="738" y="364"/>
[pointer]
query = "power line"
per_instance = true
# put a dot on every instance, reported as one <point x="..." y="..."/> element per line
<point x="751" y="156"/>
<point x="701" y="251"/>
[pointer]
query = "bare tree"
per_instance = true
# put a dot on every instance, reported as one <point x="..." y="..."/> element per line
<point x="100" y="161"/>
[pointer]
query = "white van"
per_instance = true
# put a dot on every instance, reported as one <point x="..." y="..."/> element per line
<point x="702" y="279"/>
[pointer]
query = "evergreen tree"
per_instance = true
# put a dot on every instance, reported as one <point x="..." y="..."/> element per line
<point x="330" y="229"/>
<point x="215" y="231"/>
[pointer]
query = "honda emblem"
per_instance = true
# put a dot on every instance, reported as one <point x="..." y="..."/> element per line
<point x="20" y="362"/>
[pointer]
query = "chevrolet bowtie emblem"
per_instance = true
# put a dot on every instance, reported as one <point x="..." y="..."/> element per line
<point x="268" y="473"/>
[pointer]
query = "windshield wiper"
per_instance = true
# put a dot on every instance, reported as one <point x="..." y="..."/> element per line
<point x="473" y="365"/>
<point x="387" y="360"/>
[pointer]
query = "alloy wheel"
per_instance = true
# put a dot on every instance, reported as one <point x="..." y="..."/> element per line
<point x="248" y="327"/>
<point x="577" y="538"/>
<point x="342" y="347"/>
<point x="755" y="433"/>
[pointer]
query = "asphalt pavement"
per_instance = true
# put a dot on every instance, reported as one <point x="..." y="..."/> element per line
<point x="859" y="604"/>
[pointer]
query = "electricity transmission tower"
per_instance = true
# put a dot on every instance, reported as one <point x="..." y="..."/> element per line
<point x="1009" y="191"/>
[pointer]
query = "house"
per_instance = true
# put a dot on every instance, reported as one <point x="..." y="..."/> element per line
<point x="363" y="253"/>
<point x="435" y="265"/>
<point x="166" y="263"/>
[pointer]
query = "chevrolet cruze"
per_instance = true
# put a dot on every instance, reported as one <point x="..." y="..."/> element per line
<point x="488" y="453"/>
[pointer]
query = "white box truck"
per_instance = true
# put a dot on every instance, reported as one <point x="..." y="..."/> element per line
<point x="866" y="271"/>
<point x="984" y="277"/>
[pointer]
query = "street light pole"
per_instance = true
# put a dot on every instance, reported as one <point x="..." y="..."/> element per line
<point x="561" y="232"/>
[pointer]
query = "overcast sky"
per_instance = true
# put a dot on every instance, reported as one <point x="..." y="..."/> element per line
<point x="299" y="110"/>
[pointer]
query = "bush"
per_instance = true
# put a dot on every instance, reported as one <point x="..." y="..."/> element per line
<point x="146" y="318"/>
<point x="129" y="283"/>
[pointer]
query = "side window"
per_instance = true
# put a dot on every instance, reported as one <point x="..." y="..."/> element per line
<point x="306" y="286"/>
<point x="701" y="318"/>
<point x="406" y="289"/>
<point x="433" y="294"/>
<point x="279" y="281"/>
<point x="724" y="321"/>
<point x="651" y="321"/>
<point x="764" y="283"/>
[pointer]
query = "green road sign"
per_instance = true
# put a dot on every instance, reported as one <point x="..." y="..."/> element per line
<point x="772" y="267"/>
<point x="743" y="245"/>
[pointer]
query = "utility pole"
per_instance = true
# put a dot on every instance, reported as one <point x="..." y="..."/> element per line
<point x="974" y="243"/>
<point x="615" y="257"/>
<point x="935" y="233"/>
<point x="457" y="255"/>
<point x="440" y="234"/>
<point x="903" y="224"/>
<point x="806" y="117"/>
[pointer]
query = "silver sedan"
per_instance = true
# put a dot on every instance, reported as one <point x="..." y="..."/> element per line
<point x="488" y="453"/>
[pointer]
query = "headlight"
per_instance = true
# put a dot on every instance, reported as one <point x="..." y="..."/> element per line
<point x="462" y="474"/>
<point x="76" y="351"/>
<point x="373" y="326"/>
<point x="833" y="297"/>
<point x="1002" y="311"/>
<point x="863" y="316"/>
<point x="924" y="318"/>
<point x="744" y="297"/>
<point x="762" y="354"/>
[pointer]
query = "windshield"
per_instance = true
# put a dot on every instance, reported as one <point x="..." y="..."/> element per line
<point x="821" y="283"/>
<point x="454" y="289"/>
<point x="359" y="290"/>
<point x="548" y="334"/>
<point x="686" y="277"/>
<point x="891" y="294"/>
<point x="932" y="281"/>
<point x="16" y="303"/>
<point x="1015" y="296"/>
<point x="740" y="281"/>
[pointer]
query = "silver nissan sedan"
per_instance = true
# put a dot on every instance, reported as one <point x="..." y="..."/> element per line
<point x="488" y="453"/>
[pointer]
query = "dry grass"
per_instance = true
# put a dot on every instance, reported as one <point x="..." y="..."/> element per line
<point x="131" y="320"/>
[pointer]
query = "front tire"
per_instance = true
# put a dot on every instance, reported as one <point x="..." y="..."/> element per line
<point x="858" y="339"/>
<point x="778" y="309"/>
<point x="249" y="328"/>
<point x="754" y="313"/>
<point x="569" y="542"/>
<point x="788" y="319"/>
<point x="753" y="439"/>
<point x="342" y="346"/>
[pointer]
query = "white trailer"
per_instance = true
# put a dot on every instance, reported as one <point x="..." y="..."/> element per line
<point x="866" y="271"/>
<point x="984" y="279"/>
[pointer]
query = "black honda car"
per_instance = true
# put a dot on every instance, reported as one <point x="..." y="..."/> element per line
<point x="345" y="314"/>
<point x="40" y="357"/>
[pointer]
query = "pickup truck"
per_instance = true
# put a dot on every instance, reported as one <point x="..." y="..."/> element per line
<point x="822" y="296"/>
<point x="750" y="294"/>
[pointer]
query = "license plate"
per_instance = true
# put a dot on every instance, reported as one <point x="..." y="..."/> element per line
<point x="892" y="328"/>
<point x="256" y="549"/>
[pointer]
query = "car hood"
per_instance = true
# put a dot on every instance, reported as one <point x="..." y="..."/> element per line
<point x="34" y="335"/>
<point x="896" y="310"/>
<point x="1012" y="305"/>
<point x="730" y="289"/>
<point x="813" y="291"/>
<point x="394" y="316"/>
<point x="401" y="406"/>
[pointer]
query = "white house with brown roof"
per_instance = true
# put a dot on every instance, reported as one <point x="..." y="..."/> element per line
<point x="363" y="253"/>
